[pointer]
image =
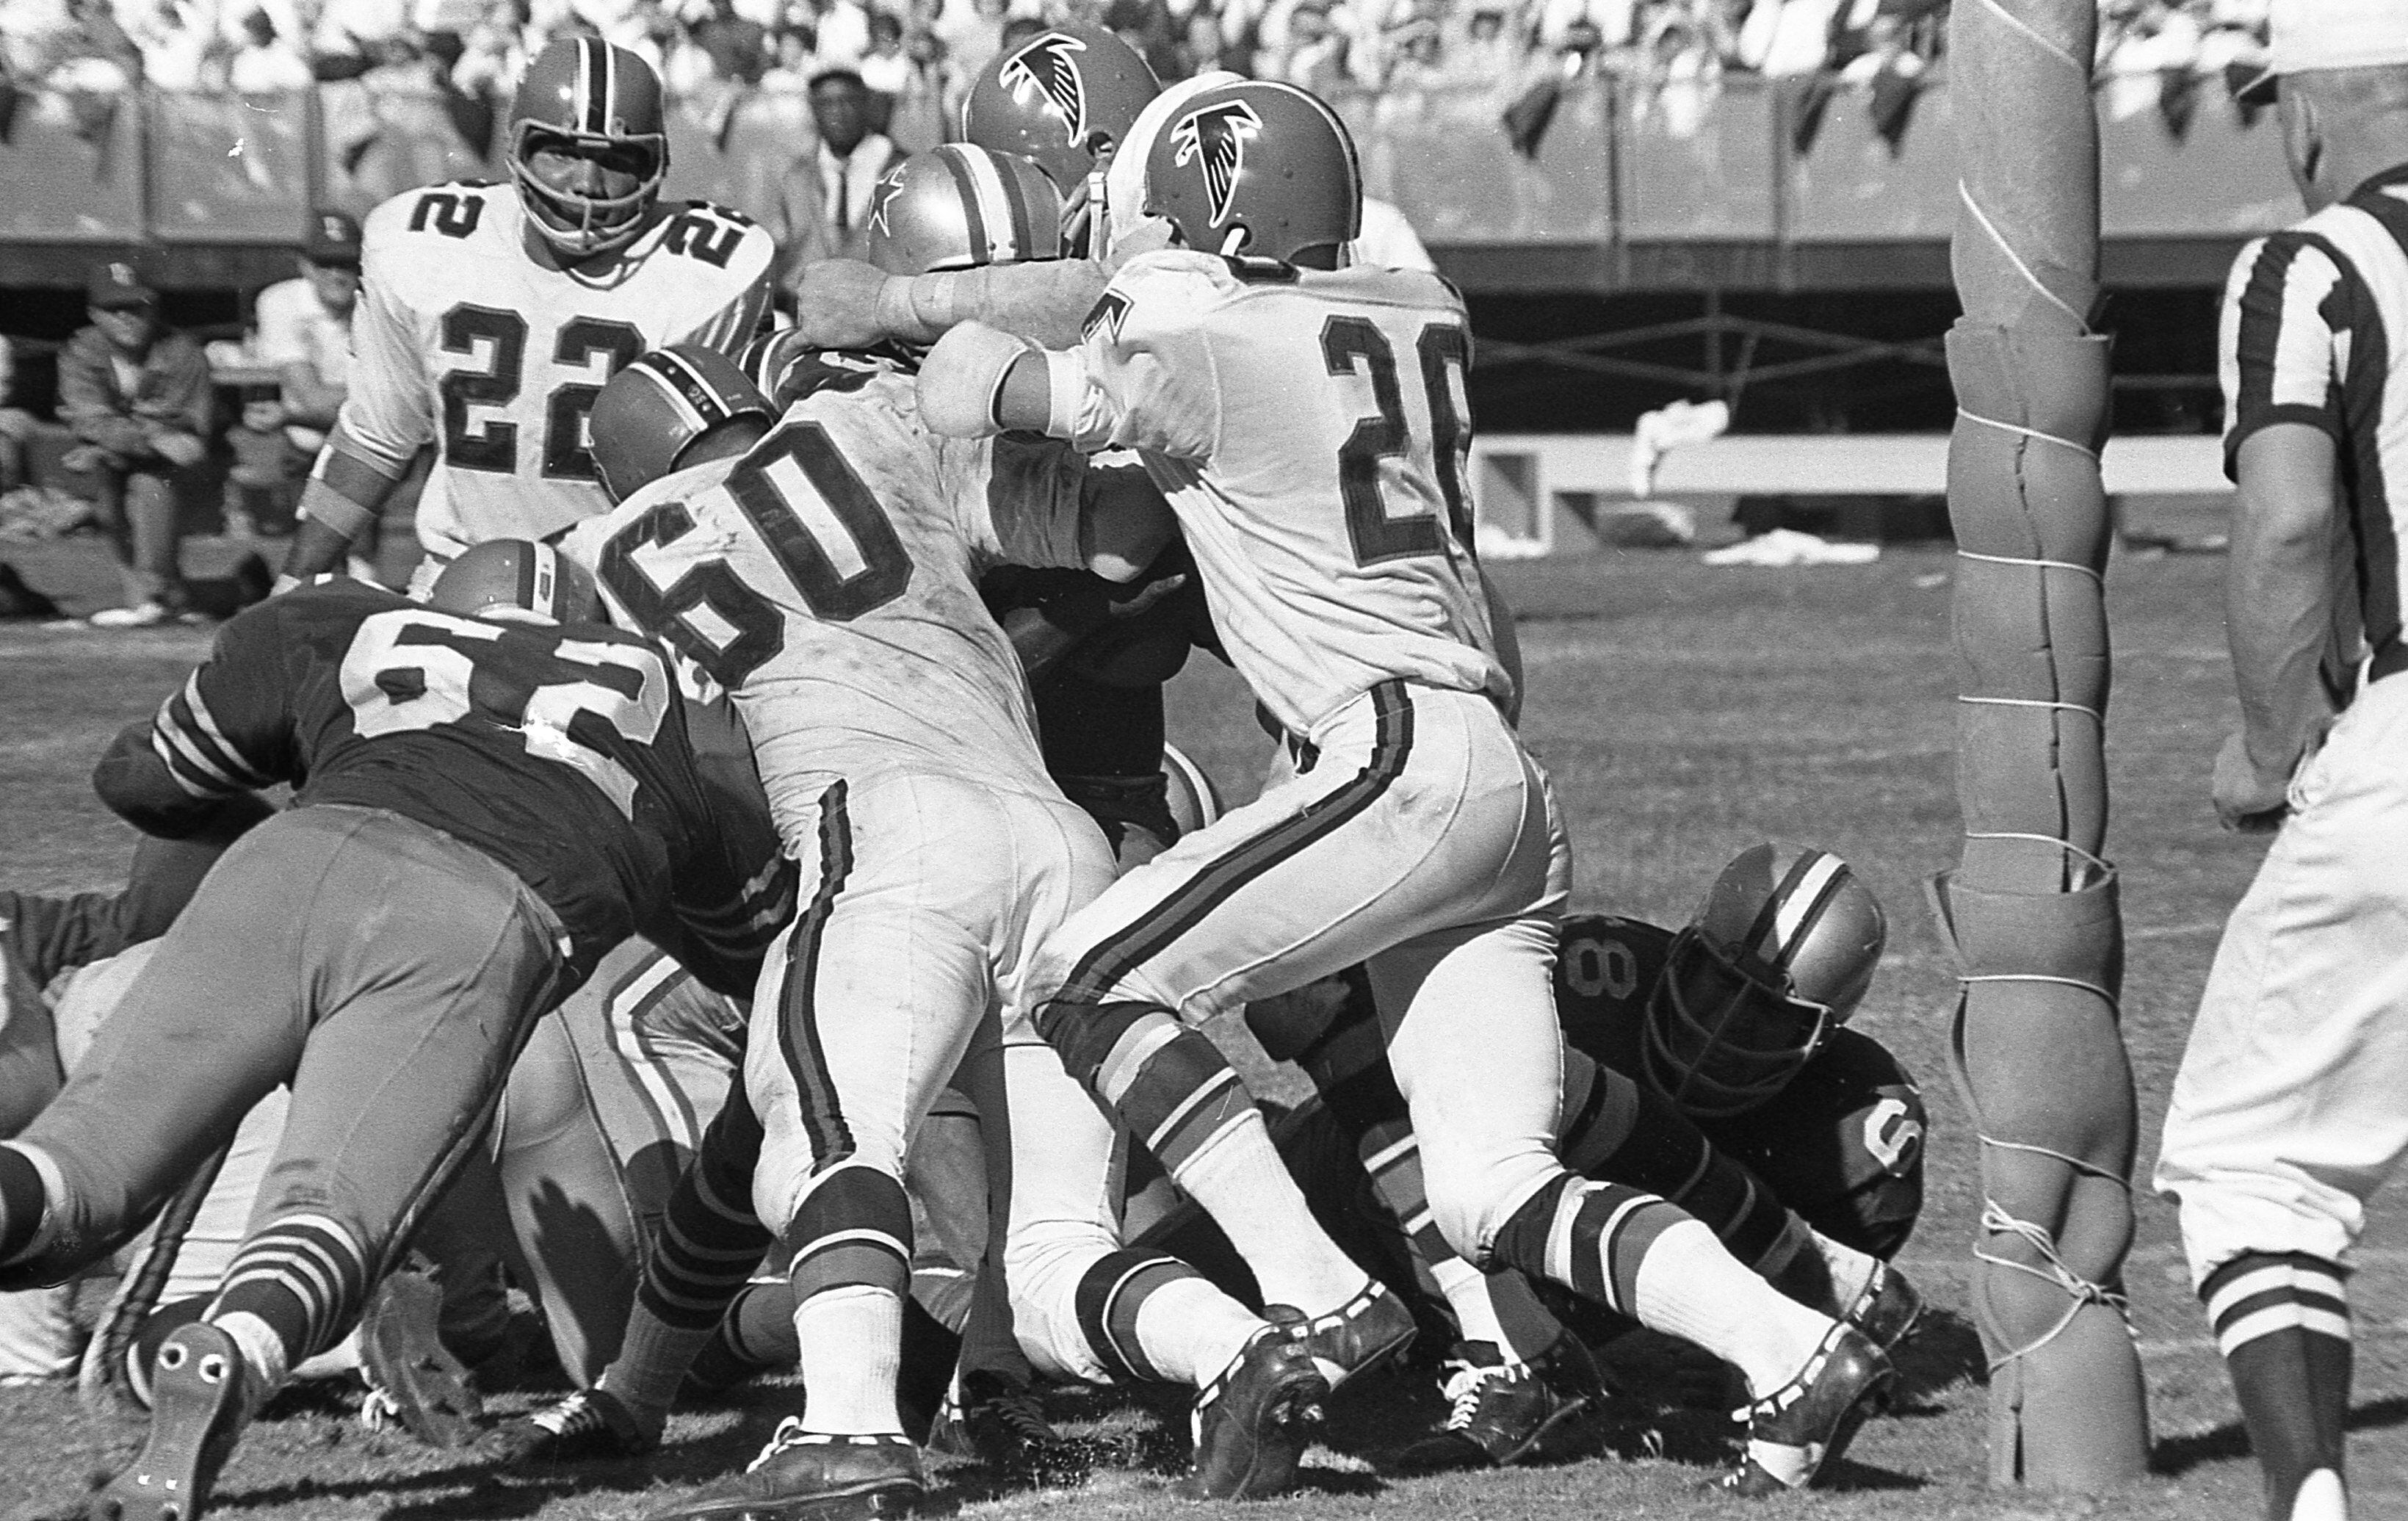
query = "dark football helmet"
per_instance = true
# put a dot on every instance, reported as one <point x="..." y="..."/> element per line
<point x="585" y="94"/>
<point x="516" y="580"/>
<point x="1778" y="956"/>
<point x="655" y="408"/>
<point x="1059" y="98"/>
<point x="957" y="206"/>
<point x="1258" y="170"/>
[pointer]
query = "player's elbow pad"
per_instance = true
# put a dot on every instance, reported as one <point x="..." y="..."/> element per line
<point x="961" y="377"/>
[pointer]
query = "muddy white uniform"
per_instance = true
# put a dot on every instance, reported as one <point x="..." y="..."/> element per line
<point x="1310" y="432"/>
<point x="465" y="340"/>
<point x="828" y="579"/>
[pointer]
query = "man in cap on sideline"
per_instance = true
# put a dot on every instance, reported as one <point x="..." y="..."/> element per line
<point x="136" y="396"/>
<point x="301" y="327"/>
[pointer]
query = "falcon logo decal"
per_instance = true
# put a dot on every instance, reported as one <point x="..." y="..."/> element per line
<point x="1110" y="311"/>
<point x="882" y="197"/>
<point x="1216" y="139"/>
<point x="1050" y="67"/>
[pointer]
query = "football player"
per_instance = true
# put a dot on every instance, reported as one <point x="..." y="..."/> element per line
<point x="1305" y="421"/>
<point x="492" y="315"/>
<point x="836" y="555"/>
<point x="492" y="791"/>
<point x="1806" y="1160"/>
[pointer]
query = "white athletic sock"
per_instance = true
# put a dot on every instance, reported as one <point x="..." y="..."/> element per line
<point x="1851" y="1269"/>
<point x="651" y="1365"/>
<point x="263" y="1352"/>
<point x="1691" y="1288"/>
<point x="852" y="1338"/>
<point x="1465" y="1288"/>
<point x="1190" y="1330"/>
<point x="1242" y="1183"/>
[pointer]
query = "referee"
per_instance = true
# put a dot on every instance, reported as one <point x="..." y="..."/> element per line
<point x="2289" y="1111"/>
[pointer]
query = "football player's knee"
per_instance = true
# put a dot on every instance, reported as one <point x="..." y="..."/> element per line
<point x="853" y="1226"/>
<point x="1085" y="1032"/>
<point x="1472" y="1194"/>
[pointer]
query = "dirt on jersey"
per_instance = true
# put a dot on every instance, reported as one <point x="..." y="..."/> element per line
<point x="829" y="579"/>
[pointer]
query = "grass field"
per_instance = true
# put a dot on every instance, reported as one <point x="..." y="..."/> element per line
<point x="1683" y="712"/>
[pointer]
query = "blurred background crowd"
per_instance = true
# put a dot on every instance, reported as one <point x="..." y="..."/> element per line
<point x="918" y="56"/>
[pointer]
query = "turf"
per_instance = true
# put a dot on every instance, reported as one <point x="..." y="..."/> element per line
<point x="1683" y="712"/>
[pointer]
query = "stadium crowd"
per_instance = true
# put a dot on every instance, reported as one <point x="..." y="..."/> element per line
<point x="926" y="52"/>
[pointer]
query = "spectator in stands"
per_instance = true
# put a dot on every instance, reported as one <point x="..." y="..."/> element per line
<point x="16" y="423"/>
<point x="823" y="198"/>
<point x="738" y="48"/>
<point x="137" y="395"/>
<point x="263" y="64"/>
<point x="302" y="328"/>
<point x="843" y="33"/>
<point x="972" y="31"/>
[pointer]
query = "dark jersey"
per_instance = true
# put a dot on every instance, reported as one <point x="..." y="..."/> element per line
<point x="563" y="752"/>
<point x="1841" y="1144"/>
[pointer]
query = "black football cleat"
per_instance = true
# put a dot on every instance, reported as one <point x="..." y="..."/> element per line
<point x="1359" y="1335"/>
<point x="1886" y="1308"/>
<point x="1500" y="1411"/>
<point x="590" y="1426"/>
<point x="999" y="1422"/>
<point x="812" y="1476"/>
<point x="1252" y="1423"/>
<point x="1798" y="1429"/>
<point x="200" y="1402"/>
<point x="420" y="1383"/>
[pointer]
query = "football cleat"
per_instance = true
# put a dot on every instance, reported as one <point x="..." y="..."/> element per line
<point x="1359" y="1335"/>
<point x="590" y="1426"/>
<point x="1499" y="1413"/>
<point x="200" y="1400"/>
<point x="1252" y="1423"/>
<point x="1886" y="1308"/>
<point x="1798" y="1429"/>
<point x="999" y="1422"/>
<point x="425" y="1387"/>
<point x="812" y="1476"/>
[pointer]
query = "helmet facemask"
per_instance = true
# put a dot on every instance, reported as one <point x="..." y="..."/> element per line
<point x="1725" y="1033"/>
<point x="581" y="225"/>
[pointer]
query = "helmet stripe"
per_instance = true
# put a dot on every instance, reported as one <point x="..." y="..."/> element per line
<point x="523" y="592"/>
<point x="681" y="387"/>
<point x="1799" y="901"/>
<point x="543" y="581"/>
<point x="966" y="186"/>
<point x="1013" y="204"/>
<point x="595" y="55"/>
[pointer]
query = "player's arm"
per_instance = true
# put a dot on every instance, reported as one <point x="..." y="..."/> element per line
<point x="385" y="418"/>
<point x="1142" y="377"/>
<point x="737" y="889"/>
<point x="2277" y="342"/>
<point x="227" y="730"/>
<point x="746" y="315"/>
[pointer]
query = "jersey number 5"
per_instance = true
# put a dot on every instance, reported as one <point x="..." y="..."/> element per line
<point x="493" y="445"/>
<point x="411" y="670"/>
<point x="1377" y="535"/>
<point x="821" y="524"/>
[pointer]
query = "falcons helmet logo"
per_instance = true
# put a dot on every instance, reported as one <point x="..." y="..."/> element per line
<point x="1216" y="139"/>
<point x="1049" y="66"/>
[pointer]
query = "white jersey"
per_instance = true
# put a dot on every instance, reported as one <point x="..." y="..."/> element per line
<point x="1311" y="432"/>
<point x="828" y="579"/>
<point x="466" y="339"/>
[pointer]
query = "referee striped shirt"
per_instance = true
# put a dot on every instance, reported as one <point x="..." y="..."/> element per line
<point x="2315" y="331"/>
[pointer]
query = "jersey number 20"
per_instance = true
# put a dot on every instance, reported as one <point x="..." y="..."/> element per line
<point x="1348" y="342"/>
<point x="821" y="524"/>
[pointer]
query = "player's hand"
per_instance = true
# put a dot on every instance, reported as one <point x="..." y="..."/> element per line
<point x="2250" y="799"/>
<point x="959" y="379"/>
<point x="181" y="449"/>
<point x="837" y="305"/>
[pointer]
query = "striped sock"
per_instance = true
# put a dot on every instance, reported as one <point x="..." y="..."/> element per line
<point x="303" y="1277"/>
<point x="22" y="1202"/>
<point x="1500" y="1307"/>
<point x="1154" y="1319"/>
<point x="2282" y="1323"/>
